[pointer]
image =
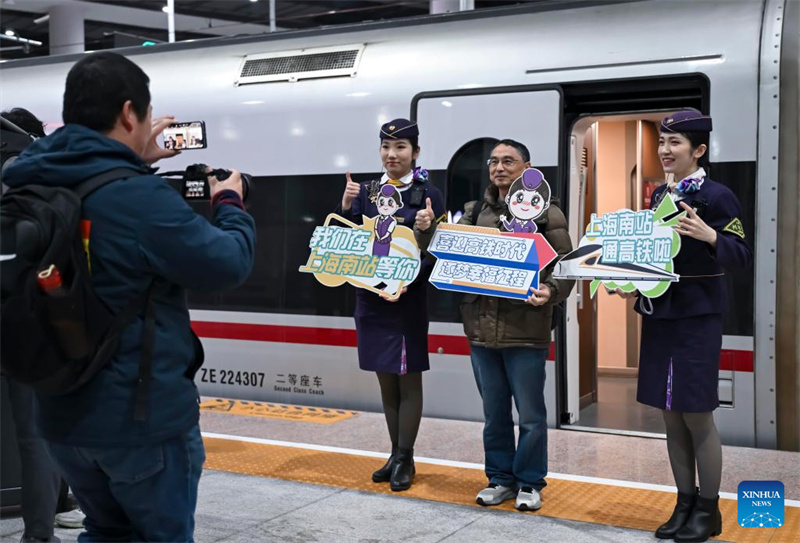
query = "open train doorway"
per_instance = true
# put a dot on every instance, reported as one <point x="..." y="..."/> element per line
<point x="615" y="166"/>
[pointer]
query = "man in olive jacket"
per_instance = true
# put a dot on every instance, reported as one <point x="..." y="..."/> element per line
<point x="509" y="342"/>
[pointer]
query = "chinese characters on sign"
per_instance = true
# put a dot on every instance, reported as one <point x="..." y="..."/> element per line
<point x="486" y="261"/>
<point x="347" y="254"/>
<point x="629" y="250"/>
<point x="627" y="237"/>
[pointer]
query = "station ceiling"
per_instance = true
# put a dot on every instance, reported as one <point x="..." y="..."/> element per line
<point x="144" y="23"/>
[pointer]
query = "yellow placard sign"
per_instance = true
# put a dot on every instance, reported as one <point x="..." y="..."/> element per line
<point x="370" y="256"/>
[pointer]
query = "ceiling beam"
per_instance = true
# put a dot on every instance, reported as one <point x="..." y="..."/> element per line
<point x="108" y="13"/>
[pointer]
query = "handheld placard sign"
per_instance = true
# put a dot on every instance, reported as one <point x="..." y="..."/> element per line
<point x="627" y="250"/>
<point x="479" y="260"/>
<point x="380" y="255"/>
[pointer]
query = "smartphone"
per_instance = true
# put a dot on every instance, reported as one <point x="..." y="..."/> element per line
<point x="185" y="136"/>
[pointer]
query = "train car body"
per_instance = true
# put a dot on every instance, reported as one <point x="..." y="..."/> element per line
<point x="538" y="75"/>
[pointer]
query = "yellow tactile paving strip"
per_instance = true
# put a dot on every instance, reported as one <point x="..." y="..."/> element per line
<point x="296" y="413"/>
<point x="572" y="500"/>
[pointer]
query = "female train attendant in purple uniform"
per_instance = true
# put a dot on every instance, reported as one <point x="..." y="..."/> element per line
<point x="682" y="330"/>
<point x="393" y="335"/>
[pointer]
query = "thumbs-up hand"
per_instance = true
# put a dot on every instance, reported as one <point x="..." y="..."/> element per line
<point x="351" y="192"/>
<point x="424" y="216"/>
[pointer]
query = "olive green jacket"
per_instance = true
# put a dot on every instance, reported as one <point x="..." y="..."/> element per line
<point x="494" y="322"/>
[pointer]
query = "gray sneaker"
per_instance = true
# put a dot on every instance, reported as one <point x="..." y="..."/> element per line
<point x="528" y="499"/>
<point x="70" y="519"/>
<point x="494" y="494"/>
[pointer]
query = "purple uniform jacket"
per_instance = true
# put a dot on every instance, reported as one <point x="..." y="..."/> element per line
<point x="701" y="289"/>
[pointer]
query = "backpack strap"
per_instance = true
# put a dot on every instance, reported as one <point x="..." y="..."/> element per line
<point x="146" y="301"/>
<point x="85" y="188"/>
<point x="146" y="361"/>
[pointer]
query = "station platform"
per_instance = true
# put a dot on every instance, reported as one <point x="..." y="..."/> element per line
<point x="295" y="474"/>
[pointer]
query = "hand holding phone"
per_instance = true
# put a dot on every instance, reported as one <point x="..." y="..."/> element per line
<point x="154" y="152"/>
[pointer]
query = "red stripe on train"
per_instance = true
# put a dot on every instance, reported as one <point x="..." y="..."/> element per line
<point x="730" y="360"/>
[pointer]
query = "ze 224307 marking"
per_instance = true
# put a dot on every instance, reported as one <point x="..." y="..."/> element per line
<point x="231" y="377"/>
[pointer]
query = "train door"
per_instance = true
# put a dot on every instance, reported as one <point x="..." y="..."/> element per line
<point x="458" y="130"/>
<point x="614" y="165"/>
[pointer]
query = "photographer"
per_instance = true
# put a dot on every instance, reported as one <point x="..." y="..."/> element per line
<point x="135" y="479"/>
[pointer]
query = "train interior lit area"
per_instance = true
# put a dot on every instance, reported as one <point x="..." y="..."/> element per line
<point x="619" y="169"/>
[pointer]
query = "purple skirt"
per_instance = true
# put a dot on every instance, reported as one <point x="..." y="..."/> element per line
<point x="679" y="363"/>
<point x="381" y="248"/>
<point x="393" y="336"/>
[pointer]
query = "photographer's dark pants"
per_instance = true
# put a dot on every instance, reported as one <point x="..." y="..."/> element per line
<point x="41" y="479"/>
<point x="136" y="493"/>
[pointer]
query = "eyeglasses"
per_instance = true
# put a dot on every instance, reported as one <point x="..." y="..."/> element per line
<point x="506" y="162"/>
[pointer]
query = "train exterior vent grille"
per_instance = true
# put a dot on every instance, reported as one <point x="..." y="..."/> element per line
<point x="296" y="65"/>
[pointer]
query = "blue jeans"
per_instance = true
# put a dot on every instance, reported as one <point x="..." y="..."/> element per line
<point x="144" y="493"/>
<point x="503" y="374"/>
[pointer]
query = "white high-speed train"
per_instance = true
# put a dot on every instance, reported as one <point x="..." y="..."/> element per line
<point x="297" y="109"/>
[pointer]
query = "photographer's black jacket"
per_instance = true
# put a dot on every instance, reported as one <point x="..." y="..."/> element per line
<point x="141" y="228"/>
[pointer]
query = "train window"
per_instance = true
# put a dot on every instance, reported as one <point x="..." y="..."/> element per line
<point x="468" y="174"/>
<point x="466" y="179"/>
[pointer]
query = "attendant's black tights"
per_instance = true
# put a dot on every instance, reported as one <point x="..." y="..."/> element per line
<point x="402" y="405"/>
<point x="692" y="439"/>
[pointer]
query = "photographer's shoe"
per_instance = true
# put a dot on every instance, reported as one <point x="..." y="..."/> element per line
<point x="70" y="519"/>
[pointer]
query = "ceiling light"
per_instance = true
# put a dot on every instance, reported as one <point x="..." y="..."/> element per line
<point x="9" y="32"/>
<point x="165" y="9"/>
<point x="254" y="0"/>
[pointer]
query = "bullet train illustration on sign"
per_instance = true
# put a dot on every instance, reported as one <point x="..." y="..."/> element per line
<point x="586" y="262"/>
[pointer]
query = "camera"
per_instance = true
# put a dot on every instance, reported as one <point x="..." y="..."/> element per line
<point x="194" y="181"/>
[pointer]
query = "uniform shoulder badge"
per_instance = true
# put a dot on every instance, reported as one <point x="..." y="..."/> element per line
<point x="735" y="227"/>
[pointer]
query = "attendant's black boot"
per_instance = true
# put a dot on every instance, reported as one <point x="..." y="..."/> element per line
<point x="403" y="470"/>
<point x="679" y="516"/>
<point x="384" y="474"/>
<point x="704" y="522"/>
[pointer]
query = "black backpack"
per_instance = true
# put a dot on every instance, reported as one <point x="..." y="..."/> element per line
<point x="56" y="342"/>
